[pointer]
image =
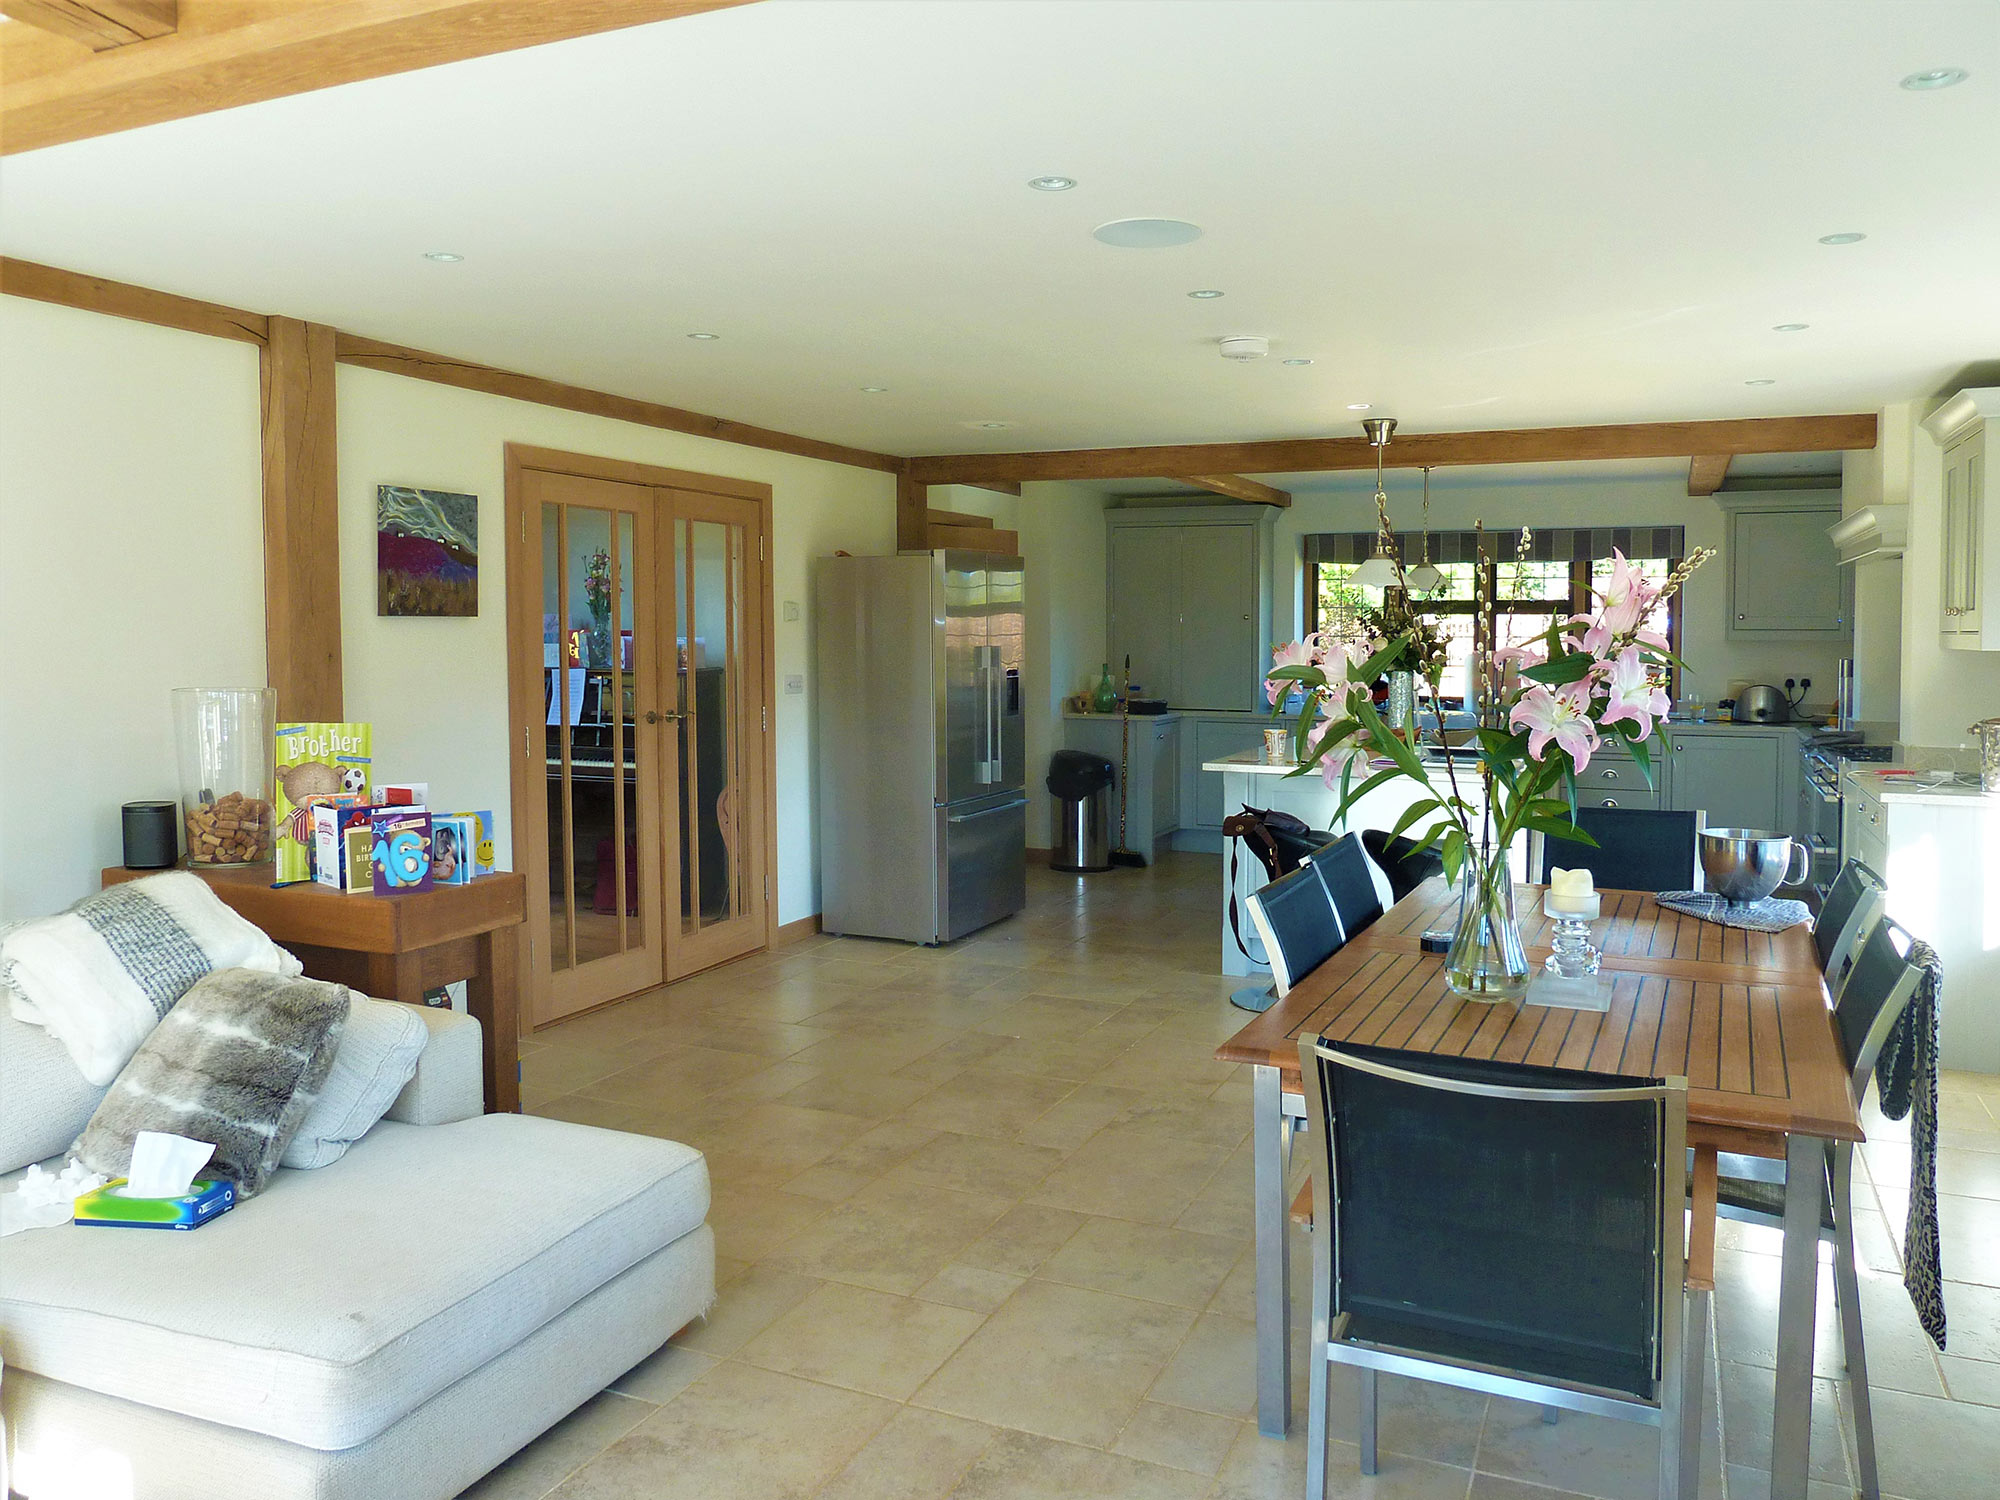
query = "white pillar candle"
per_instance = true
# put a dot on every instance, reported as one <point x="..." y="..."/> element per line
<point x="1571" y="890"/>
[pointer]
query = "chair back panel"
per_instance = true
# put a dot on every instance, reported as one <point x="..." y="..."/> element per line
<point x="1638" y="849"/>
<point x="1343" y="866"/>
<point x="1522" y="1231"/>
<point x="1300" y="928"/>
<point x="1854" y="903"/>
<point x="1879" y="988"/>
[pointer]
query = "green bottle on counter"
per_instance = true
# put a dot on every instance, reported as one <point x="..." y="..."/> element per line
<point x="1105" y="700"/>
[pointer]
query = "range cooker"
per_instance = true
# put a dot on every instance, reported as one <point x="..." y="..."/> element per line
<point x="1821" y="761"/>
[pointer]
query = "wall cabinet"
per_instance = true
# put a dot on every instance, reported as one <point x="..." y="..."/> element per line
<point x="1969" y="535"/>
<point x="1785" y="577"/>
<point x="1188" y="598"/>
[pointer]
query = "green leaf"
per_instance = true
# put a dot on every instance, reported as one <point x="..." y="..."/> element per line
<point x="1557" y="828"/>
<point x="1642" y="755"/>
<point x="1349" y="798"/>
<point x="1572" y="667"/>
<point x="1389" y="743"/>
<point x="1452" y="851"/>
<point x="1413" y="812"/>
<point x="1310" y="676"/>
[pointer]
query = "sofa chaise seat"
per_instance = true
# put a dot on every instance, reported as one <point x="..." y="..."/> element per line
<point x="393" y="1324"/>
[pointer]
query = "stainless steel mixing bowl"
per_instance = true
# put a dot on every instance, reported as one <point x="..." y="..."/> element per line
<point x="1747" y="864"/>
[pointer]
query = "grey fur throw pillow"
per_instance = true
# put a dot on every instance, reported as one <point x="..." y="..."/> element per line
<point x="238" y="1061"/>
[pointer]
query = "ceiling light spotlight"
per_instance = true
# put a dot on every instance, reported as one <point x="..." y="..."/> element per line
<point x="1052" y="184"/>
<point x="1146" y="234"/>
<point x="1357" y="406"/>
<point x="1848" y="237"/>
<point x="1244" y="346"/>
<point x="1761" y="380"/>
<point x="1790" y="327"/>
<point x="989" y="425"/>
<point x="873" y="390"/>
<point x="1298" y="361"/>
<point x="1934" y="78"/>
<point x="444" y="257"/>
<point x="706" y="338"/>
<point x="1206" y="294"/>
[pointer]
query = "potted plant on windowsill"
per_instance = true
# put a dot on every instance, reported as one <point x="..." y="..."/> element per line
<point x="1543" y="707"/>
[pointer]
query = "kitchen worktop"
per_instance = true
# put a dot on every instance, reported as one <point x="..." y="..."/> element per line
<point x="1913" y="789"/>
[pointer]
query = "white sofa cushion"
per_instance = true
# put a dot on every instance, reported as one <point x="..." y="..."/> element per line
<point x="336" y="1301"/>
<point x="44" y="1101"/>
<point x="450" y="1081"/>
<point x="378" y="1052"/>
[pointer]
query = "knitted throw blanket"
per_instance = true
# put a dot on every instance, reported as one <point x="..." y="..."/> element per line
<point x="1907" y="1076"/>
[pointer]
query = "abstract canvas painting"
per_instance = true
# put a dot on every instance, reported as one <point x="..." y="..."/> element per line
<point x="426" y="552"/>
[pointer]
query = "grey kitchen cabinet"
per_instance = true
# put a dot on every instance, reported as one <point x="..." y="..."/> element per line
<point x="1163" y="743"/>
<point x="1205" y="738"/>
<point x="1784" y="571"/>
<point x="1736" y="776"/>
<point x="1188" y="598"/>
<point x="1613" y="779"/>
<point x="1971" y="532"/>
<point x="1153" y="790"/>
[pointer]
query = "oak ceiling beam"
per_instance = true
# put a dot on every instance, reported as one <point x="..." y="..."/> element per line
<point x="1706" y="472"/>
<point x="1413" y="450"/>
<point x="226" y="53"/>
<point x="913" y="514"/>
<point x="99" y="24"/>
<point x="1238" y="488"/>
<point x="120" y="299"/>
<point x="373" y="354"/>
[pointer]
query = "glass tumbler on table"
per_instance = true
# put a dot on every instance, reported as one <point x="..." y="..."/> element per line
<point x="226" y="739"/>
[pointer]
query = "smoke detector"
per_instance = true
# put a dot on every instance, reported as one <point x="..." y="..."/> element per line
<point x="1244" y="346"/>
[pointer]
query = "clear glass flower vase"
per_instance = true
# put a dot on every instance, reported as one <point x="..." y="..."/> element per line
<point x="1486" y="961"/>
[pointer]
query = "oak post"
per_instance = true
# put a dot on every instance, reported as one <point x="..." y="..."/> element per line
<point x="912" y="514"/>
<point x="301" y="521"/>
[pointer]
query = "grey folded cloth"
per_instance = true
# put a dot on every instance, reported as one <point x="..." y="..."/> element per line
<point x="1772" y="914"/>
<point x="1907" y="1075"/>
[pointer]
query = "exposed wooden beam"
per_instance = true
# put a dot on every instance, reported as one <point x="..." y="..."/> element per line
<point x="1706" y="472"/>
<point x="232" y="52"/>
<point x="913" y="514"/>
<point x="1413" y="450"/>
<point x="373" y="354"/>
<point x="25" y="278"/>
<point x="99" y="24"/>
<point x="301" y="522"/>
<point x="1238" y="488"/>
<point x="975" y="539"/>
<point x="956" y="518"/>
<point x="998" y="486"/>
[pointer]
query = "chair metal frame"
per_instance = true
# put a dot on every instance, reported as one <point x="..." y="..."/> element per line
<point x="1680" y="1312"/>
<point x="1871" y="905"/>
<point x="1282" y="976"/>
<point x="1837" y="1204"/>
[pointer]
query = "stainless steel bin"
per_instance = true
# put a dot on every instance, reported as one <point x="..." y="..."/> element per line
<point x="1081" y="785"/>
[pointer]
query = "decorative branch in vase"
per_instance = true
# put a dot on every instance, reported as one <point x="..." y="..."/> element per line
<point x="1541" y="708"/>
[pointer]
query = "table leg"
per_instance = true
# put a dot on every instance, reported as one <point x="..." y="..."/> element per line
<point x="1274" y="1268"/>
<point x="1798" y="1293"/>
<point x="396" y="976"/>
<point x="492" y="997"/>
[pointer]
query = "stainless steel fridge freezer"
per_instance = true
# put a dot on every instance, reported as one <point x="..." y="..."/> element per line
<point x="921" y="784"/>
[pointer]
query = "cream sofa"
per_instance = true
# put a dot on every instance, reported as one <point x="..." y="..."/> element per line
<point x="392" y="1325"/>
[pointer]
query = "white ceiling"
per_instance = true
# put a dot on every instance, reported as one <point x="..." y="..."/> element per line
<point x="1472" y="215"/>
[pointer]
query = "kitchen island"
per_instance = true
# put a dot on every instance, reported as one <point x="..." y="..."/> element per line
<point x="1248" y="780"/>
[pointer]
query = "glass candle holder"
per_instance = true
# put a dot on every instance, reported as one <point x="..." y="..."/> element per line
<point x="1571" y="955"/>
<point x="226" y="740"/>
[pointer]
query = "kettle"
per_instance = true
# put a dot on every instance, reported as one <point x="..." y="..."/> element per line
<point x="1761" y="704"/>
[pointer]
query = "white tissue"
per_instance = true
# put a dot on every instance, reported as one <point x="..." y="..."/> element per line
<point x="46" y="1199"/>
<point x="163" y="1165"/>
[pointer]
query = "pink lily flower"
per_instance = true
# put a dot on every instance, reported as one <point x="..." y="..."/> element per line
<point x="1625" y="598"/>
<point x="1335" y="761"/>
<point x="1635" y="696"/>
<point x="1290" y="654"/>
<point x="1556" y="716"/>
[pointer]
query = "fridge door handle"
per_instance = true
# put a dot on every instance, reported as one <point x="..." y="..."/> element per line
<point x="987" y="812"/>
<point x="997" y="680"/>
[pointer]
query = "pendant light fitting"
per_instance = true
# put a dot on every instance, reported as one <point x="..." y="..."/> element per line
<point x="1381" y="570"/>
<point x="1425" y="576"/>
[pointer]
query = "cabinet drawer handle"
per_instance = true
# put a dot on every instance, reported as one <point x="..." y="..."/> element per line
<point x="1739" y="617"/>
<point x="1609" y="774"/>
<point x="1609" y="802"/>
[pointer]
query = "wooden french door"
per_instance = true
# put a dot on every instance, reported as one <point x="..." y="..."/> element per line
<point x="640" y="686"/>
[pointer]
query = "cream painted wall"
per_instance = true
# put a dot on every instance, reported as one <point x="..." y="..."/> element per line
<point x="131" y="563"/>
<point x="436" y="689"/>
<point x="1713" y="660"/>
<point x="1062" y="538"/>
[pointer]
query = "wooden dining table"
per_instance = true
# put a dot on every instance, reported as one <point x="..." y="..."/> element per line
<point x="1743" y="1016"/>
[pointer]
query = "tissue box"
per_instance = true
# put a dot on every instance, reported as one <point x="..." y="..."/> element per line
<point x="205" y="1198"/>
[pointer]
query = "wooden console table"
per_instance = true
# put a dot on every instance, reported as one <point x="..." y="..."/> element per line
<point x="396" y="947"/>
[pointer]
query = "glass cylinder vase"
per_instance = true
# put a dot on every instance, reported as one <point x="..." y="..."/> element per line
<point x="226" y="739"/>
<point x="1486" y="961"/>
<point x="1400" y="711"/>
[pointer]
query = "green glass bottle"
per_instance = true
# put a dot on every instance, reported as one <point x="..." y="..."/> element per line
<point x="1105" y="700"/>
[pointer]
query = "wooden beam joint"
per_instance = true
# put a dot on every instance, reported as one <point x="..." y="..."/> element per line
<point x="99" y="24"/>
<point x="1238" y="488"/>
<point x="1706" y="472"/>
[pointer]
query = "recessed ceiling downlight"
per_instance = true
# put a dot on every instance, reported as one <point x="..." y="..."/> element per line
<point x="989" y="425"/>
<point x="1146" y="234"/>
<point x="1206" y="294"/>
<point x="1790" y="327"/>
<point x="706" y="338"/>
<point x="1847" y="237"/>
<point x="874" y="390"/>
<point x="1052" y="184"/>
<point x="1357" y="406"/>
<point x="444" y="257"/>
<point x="1761" y="380"/>
<point x="1934" y="78"/>
<point x="1298" y="361"/>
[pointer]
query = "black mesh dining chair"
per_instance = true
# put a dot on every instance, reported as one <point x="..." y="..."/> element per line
<point x="1508" y="1229"/>
<point x="1878" y="990"/>
<point x="1637" y="849"/>
<point x="1294" y="916"/>
<point x="1854" y="903"/>
<point x="1343" y="866"/>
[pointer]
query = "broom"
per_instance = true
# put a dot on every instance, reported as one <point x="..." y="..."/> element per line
<point x="1130" y="859"/>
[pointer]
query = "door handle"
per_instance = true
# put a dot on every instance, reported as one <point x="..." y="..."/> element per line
<point x="652" y="717"/>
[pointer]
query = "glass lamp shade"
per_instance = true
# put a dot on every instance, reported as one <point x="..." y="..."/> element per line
<point x="1423" y="578"/>
<point x="1377" y="573"/>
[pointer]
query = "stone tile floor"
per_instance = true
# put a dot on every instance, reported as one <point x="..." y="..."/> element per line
<point x="983" y="1215"/>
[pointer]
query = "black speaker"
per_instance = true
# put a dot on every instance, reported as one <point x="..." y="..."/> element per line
<point x="152" y="835"/>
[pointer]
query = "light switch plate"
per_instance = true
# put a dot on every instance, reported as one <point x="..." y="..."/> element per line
<point x="795" y="682"/>
<point x="791" y="609"/>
